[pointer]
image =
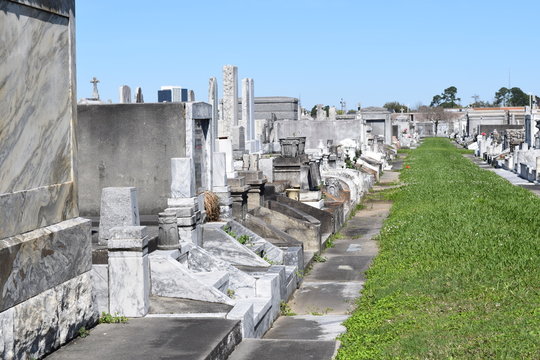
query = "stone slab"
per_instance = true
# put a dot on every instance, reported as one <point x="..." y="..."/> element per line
<point x="308" y="327"/>
<point x="156" y="338"/>
<point x="284" y="349"/>
<point x="167" y="305"/>
<point x="41" y="259"/>
<point x="331" y="298"/>
<point x="37" y="137"/>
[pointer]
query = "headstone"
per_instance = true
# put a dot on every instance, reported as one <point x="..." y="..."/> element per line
<point x="139" y="99"/>
<point x="321" y="113"/>
<point x="213" y="100"/>
<point x="129" y="271"/>
<point x="230" y="100"/>
<point x="225" y="146"/>
<point x="332" y="114"/>
<point x="267" y="167"/>
<point x="183" y="178"/>
<point x="238" y="138"/>
<point x="219" y="174"/>
<point x="245" y="120"/>
<point x="191" y="96"/>
<point x="125" y="94"/>
<point x="252" y="110"/>
<point x="119" y="207"/>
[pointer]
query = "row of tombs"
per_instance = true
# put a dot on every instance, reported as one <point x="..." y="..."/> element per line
<point x="234" y="230"/>
<point x="149" y="209"/>
<point x="172" y="218"/>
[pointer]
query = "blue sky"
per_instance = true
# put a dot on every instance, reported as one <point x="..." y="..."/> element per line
<point x="367" y="52"/>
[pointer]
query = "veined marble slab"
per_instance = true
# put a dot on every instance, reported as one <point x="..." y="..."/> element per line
<point x="36" y="138"/>
<point x="41" y="259"/>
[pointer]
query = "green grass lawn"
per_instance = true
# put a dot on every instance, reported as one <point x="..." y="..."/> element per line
<point x="458" y="272"/>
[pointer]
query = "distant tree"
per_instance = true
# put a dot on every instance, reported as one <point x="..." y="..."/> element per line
<point x="395" y="106"/>
<point x="351" y="112"/>
<point x="313" y="112"/>
<point x="447" y="100"/>
<point x="340" y="112"/>
<point x="481" y="104"/>
<point x="511" y="97"/>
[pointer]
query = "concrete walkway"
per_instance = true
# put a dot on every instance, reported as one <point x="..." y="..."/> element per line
<point x="328" y="293"/>
<point x="512" y="177"/>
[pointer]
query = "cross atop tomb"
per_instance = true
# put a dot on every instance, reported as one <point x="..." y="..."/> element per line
<point x="95" y="92"/>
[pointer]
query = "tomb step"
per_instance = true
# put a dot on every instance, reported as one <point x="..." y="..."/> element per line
<point x="167" y="306"/>
<point x="156" y="338"/>
<point x="217" y="279"/>
<point x="262" y="349"/>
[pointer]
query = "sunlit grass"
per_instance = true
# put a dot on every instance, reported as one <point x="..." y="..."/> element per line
<point x="458" y="273"/>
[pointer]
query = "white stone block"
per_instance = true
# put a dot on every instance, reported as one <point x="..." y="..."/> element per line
<point x="268" y="286"/>
<point x="267" y="167"/>
<point x="183" y="178"/>
<point x="119" y="207"/>
<point x="100" y="287"/>
<point x="243" y="311"/>
<point x="219" y="174"/>
<point x="129" y="272"/>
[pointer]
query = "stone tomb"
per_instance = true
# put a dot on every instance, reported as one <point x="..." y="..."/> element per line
<point x="45" y="248"/>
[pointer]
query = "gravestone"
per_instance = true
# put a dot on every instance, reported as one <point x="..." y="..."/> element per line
<point x="213" y="100"/>
<point x="119" y="207"/>
<point x="230" y="100"/>
<point x="139" y="98"/>
<point x="125" y="94"/>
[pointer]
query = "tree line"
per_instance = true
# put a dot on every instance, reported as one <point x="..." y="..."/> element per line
<point x="448" y="99"/>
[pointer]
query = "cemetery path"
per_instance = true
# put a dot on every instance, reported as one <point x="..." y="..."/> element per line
<point x="512" y="177"/>
<point x="328" y="293"/>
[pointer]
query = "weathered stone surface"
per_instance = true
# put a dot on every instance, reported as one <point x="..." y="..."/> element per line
<point x="129" y="271"/>
<point x="218" y="243"/>
<point x="199" y="260"/>
<point x="219" y="174"/>
<point x="39" y="260"/>
<point x="119" y="207"/>
<point x="53" y="317"/>
<point x="230" y="100"/>
<point x="124" y="94"/>
<point x="172" y="279"/>
<point x="36" y="138"/>
<point x="100" y="283"/>
<point x="7" y="338"/>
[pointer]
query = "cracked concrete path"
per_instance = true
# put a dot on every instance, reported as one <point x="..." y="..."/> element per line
<point x="328" y="293"/>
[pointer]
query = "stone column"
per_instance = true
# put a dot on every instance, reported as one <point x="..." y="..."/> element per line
<point x="251" y="110"/>
<point x="230" y="100"/>
<point x="168" y="230"/>
<point x="220" y="186"/>
<point x="129" y="271"/>
<point x="125" y="94"/>
<point x="245" y="109"/>
<point x="184" y="199"/>
<point x="213" y="100"/>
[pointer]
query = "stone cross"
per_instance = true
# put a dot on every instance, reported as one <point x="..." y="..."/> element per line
<point x="95" y="92"/>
